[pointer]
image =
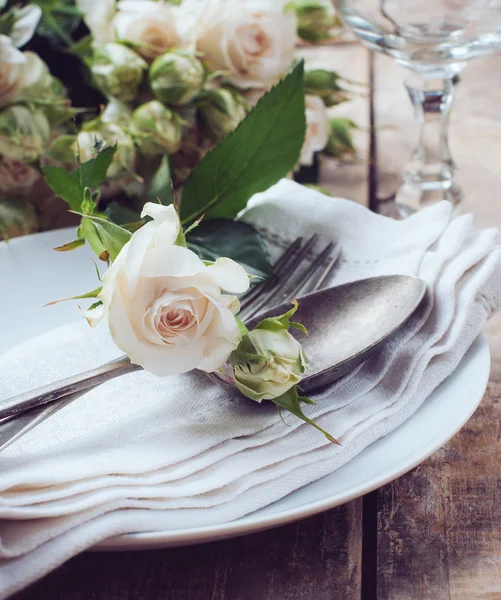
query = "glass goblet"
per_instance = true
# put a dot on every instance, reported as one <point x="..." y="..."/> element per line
<point x="434" y="39"/>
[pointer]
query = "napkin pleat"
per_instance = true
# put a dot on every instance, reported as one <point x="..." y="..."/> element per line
<point x="142" y="454"/>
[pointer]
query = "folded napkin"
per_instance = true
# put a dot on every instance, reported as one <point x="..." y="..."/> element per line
<point x="147" y="454"/>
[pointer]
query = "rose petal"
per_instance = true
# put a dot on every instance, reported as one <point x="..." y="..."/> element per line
<point x="159" y="360"/>
<point x="229" y="275"/>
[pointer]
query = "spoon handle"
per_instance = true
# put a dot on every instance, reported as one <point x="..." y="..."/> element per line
<point x="69" y="386"/>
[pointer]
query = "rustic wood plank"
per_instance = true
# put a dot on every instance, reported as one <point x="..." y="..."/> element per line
<point x="315" y="559"/>
<point x="438" y="526"/>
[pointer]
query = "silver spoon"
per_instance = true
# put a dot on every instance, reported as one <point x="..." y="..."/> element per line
<point x="345" y="324"/>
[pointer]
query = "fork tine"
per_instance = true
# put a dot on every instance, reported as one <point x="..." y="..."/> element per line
<point x="327" y="271"/>
<point x="283" y="278"/>
<point x="277" y="267"/>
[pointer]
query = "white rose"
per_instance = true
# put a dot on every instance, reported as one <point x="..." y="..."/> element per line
<point x="16" y="178"/>
<point x="11" y="70"/>
<point x="252" y="40"/>
<point x="98" y="16"/>
<point x="149" y="24"/>
<point x="317" y="129"/>
<point x="25" y="24"/>
<point x="165" y="307"/>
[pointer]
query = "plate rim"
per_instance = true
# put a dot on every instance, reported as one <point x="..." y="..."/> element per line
<point x="240" y="527"/>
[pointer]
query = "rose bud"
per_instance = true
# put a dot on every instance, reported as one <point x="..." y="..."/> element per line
<point x="156" y="129"/>
<point x="267" y="363"/>
<point x="89" y="141"/>
<point x="176" y="77"/>
<point x="118" y="71"/>
<point x="24" y="134"/>
<point x="316" y="19"/>
<point x="221" y="110"/>
<point x="325" y="85"/>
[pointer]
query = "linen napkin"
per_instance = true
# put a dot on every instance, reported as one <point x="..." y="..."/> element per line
<point x="143" y="454"/>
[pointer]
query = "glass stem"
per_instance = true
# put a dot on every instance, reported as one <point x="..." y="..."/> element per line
<point x="431" y="166"/>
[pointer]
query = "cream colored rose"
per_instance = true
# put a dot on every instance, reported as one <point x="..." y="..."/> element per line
<point x="252" y="40"/>
<point x="12" y="62"/>
<point x="16" y="178"/>
<point x="149" y="24"/>
<point x="98" y="16"/>
<point x="317" y="129"/>
<point x="22" y="74"/>
<point x="165" y="307"/>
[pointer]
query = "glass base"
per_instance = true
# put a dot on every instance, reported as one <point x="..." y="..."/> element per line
<point x="411" y="198"/>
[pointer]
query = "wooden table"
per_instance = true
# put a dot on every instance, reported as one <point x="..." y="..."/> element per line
<point x="433" y="534"/>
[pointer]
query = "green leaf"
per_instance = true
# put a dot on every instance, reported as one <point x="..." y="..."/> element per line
<point x="70" y="185"/>
<point x="160" y="187"/>
<point x="291" y="401"/>
<point x="104" y="237"/>
<point x="264" y="148"/>
<point x="94" y="294"/>
<point x="232" y="239"/>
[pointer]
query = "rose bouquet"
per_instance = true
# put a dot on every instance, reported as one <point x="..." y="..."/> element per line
<point x="164" y="82"/>
<point x="34" y="111"/>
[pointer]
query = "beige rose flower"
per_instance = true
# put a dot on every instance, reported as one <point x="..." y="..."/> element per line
<point x="149" y="24"/>
<point x="12" y="62"/>
<point x="165" y="307"/>
<point x="252" y="40"/>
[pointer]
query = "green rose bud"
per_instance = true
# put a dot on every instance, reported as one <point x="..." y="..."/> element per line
<point x="325" y="84"/>
<point x="89" y="142"/>
<point x="24" y="134"/>
<point x="267" y="363"/>
<point x="340" y="142"/>
<point x="118" y="71"/>
<point x="176" y="78"/>
<point x="221" y="110"/>
<point x="156" y="129"/>
<point x="315" y="18"/>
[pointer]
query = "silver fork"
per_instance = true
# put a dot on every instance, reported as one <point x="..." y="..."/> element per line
<point x="292" y="276"/>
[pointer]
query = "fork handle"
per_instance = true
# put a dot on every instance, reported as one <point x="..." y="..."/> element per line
<point x="76" y="383"/>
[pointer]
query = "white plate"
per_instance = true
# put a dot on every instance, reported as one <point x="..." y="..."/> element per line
<point x="33" y="275"/>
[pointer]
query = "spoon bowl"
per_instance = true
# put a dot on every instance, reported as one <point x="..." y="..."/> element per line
<point x="348" y="323"/>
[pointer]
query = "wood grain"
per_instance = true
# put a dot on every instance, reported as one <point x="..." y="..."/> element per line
<point x="439" y="535"/>
<point x="315" y="559"/>
<point x="438" y="526"/>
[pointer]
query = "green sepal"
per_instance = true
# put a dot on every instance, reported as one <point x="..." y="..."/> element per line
<point x="70" y="246"/>
<point x="94" y="294"/>
<point x="242" y="326"/>
<point x="283" y="321"/>
<point x="291" y="401"/>
<point x="105" y="238"/>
